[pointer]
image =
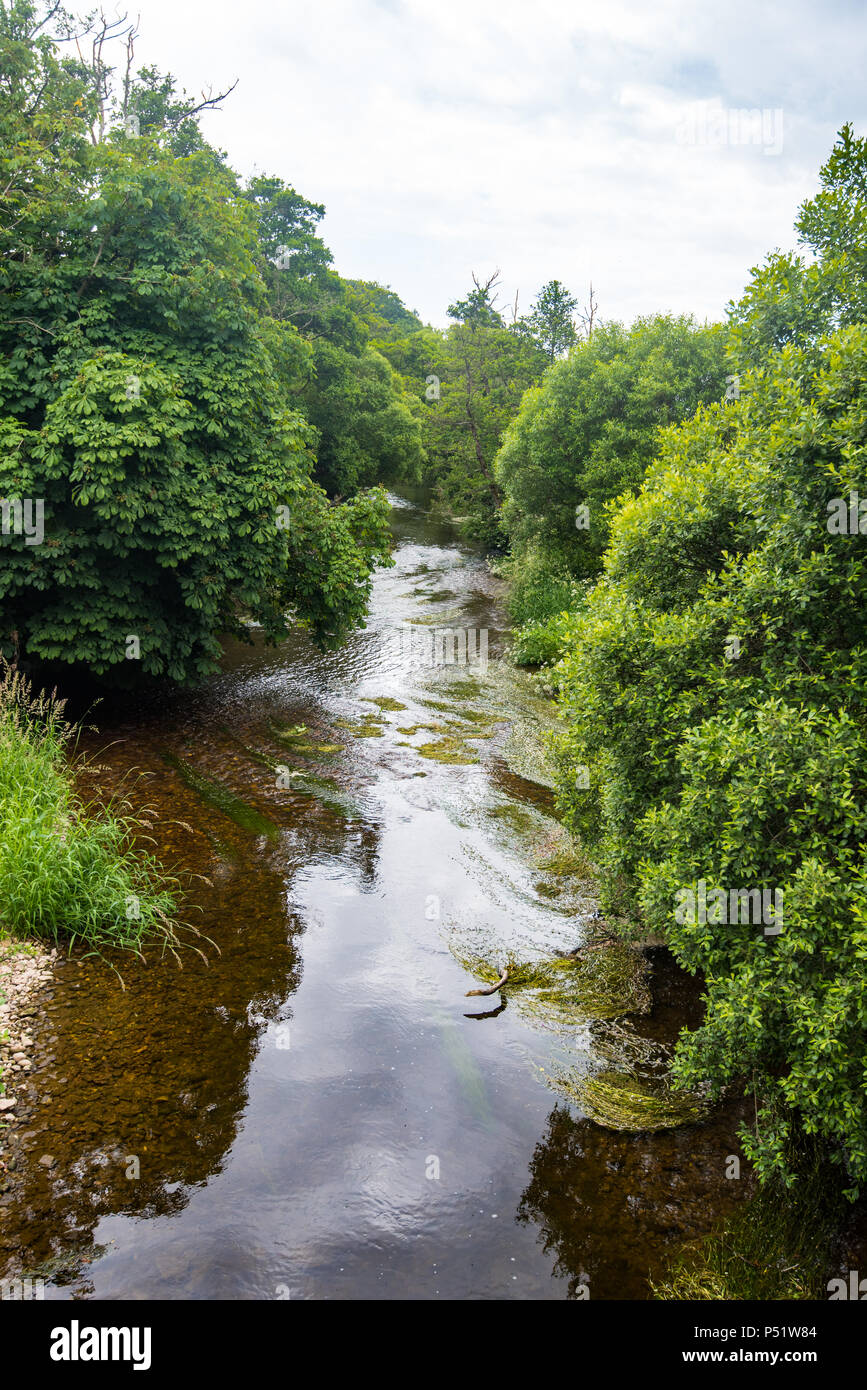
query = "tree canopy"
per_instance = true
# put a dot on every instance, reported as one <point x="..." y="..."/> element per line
<point x="158" y="397"/>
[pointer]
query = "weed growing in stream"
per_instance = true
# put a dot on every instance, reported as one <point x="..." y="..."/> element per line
<point x="777" y="1245"/>
<point x="566" y="991"/>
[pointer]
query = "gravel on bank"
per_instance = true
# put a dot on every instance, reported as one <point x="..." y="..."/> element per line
<point x="24" y="968"/>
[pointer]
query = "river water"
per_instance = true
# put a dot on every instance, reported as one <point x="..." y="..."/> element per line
<point x="319" y="1111"/>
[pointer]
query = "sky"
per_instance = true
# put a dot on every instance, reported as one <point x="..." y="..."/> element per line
<point x="606" y="141"/>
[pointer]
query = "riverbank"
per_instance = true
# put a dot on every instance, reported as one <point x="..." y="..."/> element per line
<point x="25" y="969"/>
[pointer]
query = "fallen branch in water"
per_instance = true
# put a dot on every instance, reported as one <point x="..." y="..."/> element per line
<point x="492" y="989"/>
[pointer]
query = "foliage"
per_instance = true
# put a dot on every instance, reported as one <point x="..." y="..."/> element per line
<point x="587" y="433"/>
<point x="368" y="432"/>
<point x="480" y="368"/>
<point x="551" y="321"/>
<point x="149" y="396"/>
<point x="542" y="594"/>
<point x="742" y="765"/>
<point x="794" y="300"/>
<point x="366" y="421"/>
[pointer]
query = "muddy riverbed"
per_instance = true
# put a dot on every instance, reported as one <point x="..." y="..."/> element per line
<point x="319" y="1111"/>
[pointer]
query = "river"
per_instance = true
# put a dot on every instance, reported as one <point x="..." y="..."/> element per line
<point x="320" y="1111"/>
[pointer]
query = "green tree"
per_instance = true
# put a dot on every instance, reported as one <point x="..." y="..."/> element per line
<point x="470" y="380"/>
<point x="714" y="694"/>
<point x="551" y="321"/>
<point x="367" y="427"/>
<point x="587" y="433"/>
<point x="146" y="401"/>
<point x="795" y="300"/>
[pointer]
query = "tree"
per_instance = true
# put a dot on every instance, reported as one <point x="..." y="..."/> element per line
<point x="367" y="428"/>
<point x="792" y="300"/>
<point x="551" y="321"/>
<point x="146" y="402"/>
<point x="589" y="431"/>
<point x="713" y="689"/>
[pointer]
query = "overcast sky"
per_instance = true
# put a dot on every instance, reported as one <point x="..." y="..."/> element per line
<point x="549" y="139"/>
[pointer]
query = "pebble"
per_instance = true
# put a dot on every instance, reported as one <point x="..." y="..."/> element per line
<point x="23" y="974"/>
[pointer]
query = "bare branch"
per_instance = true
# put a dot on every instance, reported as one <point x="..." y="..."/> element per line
<point x="590" y="314"/>
<point x="206" y="104"/>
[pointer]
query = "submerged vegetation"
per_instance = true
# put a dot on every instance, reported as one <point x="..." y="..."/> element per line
<point x="604" y="983"/>
<point x="776" y="1245"/>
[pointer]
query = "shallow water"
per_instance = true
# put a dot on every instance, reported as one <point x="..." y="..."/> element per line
<point x="319" y="1111"/>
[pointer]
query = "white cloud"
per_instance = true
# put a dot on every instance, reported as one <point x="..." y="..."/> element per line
<point x="451" y="137"/>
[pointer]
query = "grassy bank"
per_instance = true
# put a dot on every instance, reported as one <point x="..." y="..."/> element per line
<point x="70" y="872"/>
<point x="541" y="592"/>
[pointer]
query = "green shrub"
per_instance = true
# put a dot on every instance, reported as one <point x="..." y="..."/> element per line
<point x="541" y="594"/>
<point x="716" y="691"/>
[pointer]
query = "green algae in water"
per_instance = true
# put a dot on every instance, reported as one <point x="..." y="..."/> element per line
<point x="617" y="1100"/>
<point x="452" y="620"/>
<point x="222" y="799"/>
<point x="438" y="596"/>
<point x="468" y="732"/>
<point x="291" y="734"/>
<point x="469" y="1077"/>
<point x="470" y="716"/>
<point x="567" y="991"/>
<point x="468" y="689"/>
<point x="516" y="817"/>
<point x="459" y="732"/>
<point x="448" y="750"/>
<point x="384" y="703"/>
<point x="323" y="790"/>
<point x="296" y="737"/>
<point x="526" y="754"/>
<point x="369" y="726"/>
<point x="567" y="860"/>
<point x="633" y="1089"/>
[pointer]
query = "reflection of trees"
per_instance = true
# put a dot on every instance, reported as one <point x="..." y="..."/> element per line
<point x="159" y="1070"/>
<point x="613" y="1206"/>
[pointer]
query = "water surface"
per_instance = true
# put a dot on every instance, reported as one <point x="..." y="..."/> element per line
<point x="319" y="1112"/>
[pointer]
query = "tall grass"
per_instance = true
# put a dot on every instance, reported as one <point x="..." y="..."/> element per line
<point x="541" y="591"/>
<point x="70" y="871"/>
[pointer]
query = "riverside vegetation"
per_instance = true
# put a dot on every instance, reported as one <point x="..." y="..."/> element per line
<point x="210" y="414"/>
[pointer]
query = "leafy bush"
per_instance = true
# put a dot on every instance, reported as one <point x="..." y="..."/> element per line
<point x="716" y="688"/>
